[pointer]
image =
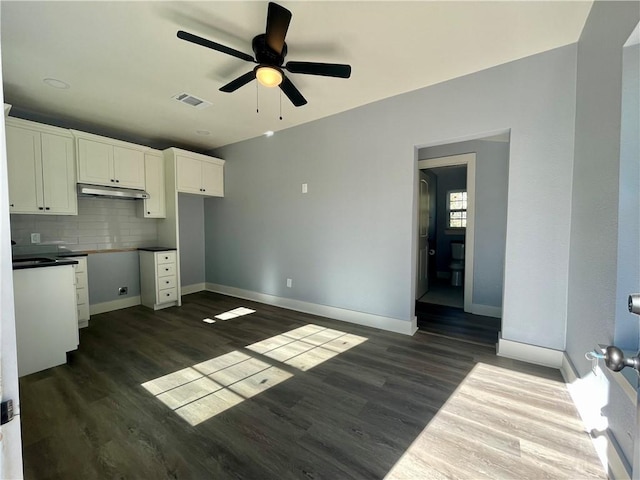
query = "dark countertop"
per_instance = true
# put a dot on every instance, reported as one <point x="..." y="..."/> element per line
<point x="22" y="262"/>
<point x="156" y="249"/>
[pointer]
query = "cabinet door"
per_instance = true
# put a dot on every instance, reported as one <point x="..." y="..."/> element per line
<point x="212" y="179"/>
<point x="24" y="165"/>
<point x="189" y="175"/>
<point x="58" y="175"/>
<point x="95" y="162"/>
<point x="154" y="207"/>
<point x="128" y="166"/>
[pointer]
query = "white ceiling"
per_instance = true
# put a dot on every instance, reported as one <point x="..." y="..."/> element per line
<point x="123" y="61"/>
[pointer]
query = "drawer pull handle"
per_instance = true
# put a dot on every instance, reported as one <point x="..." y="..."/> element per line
<point x="168" y="294"/>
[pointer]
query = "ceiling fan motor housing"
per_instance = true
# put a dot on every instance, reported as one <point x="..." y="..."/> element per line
<point x="265" y="54"/>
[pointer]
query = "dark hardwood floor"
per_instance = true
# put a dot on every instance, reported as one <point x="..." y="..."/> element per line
<point x="456" y="323"/>
<point x="391" y="406"/>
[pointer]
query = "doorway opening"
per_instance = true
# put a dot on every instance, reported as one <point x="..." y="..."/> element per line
<point x="446" y="216"/>
<point x="461" y="194"/>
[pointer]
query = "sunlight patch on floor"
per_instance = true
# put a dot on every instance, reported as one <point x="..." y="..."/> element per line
<point x="306" y="347"/>
<point x="235" y="313"/>
<point x="502" y="423"/>
<point x="204" y="390"/>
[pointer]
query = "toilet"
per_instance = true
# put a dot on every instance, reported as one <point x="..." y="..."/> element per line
<point x="457" y="263"/>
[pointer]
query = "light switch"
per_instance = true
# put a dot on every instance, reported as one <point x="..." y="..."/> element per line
<point x="304" y="188"/>
<point x="35" y="238"/>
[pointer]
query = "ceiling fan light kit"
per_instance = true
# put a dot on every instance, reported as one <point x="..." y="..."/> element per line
<point x="270" y="50"/>
<point x="269" y="76"/>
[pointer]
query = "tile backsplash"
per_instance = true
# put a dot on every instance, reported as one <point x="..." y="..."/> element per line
<point x="101" y="224"/>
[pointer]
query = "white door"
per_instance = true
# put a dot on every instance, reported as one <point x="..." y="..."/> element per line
<point x="154" y="206"/>
<point x="128" y="167"/>
<point x="423" y="236"/>
<point x="58" y="175"/>
<point x="95" y="162"/>
<point x="189" y="175"/>
<point x="25" y="170"/>
<point x="212" y="179"/>
<point x="10" y="441"/>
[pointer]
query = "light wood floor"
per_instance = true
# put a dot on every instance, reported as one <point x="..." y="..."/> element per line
<point x="153" y="395"/>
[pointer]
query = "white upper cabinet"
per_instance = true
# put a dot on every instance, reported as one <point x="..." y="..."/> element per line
<point x="155" y="205"/>
<point x="41" y="169"/>
<point x="105" y="161"/>
<point x="197" y="174"/>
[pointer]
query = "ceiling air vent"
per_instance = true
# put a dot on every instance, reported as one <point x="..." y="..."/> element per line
<point x="192" y="100"/>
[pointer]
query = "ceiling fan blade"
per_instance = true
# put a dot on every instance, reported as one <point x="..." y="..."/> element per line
<point x="325" y="69"/>
<point x="190" y="37"/>
<point x="278" y="19"/>
<point x="241" y="81"/>
<point x="292" y="92"/>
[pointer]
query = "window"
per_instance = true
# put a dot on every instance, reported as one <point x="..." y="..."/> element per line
<point x="457" y="208"/>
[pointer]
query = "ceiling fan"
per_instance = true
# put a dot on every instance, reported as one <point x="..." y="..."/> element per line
<point x="270" y="50"/>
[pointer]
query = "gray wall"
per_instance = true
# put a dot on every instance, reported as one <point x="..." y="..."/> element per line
<point x="492" y="172"/>
<point x="109" y="271"/>
<point x="626" y="332"/>
<point x="596" y="194"/>
<point x="350" y="242"/>
<point x="191" y="217"/>
<point x="594" y="216"/>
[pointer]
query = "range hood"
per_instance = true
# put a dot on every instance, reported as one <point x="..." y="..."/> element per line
<point x="111" y="192"/>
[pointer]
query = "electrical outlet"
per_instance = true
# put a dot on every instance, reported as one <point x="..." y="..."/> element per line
<point x="123" y="290"/>
<point x="35" y="238"/>
<point x="289" y="283"/>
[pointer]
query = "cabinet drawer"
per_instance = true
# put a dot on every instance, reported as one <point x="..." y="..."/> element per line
<point x="83" y="311"/>
<point x="167" y="269"/>
<point x="166" y="282"/>
<point x="81" y="296"/>
<point x="81" y="279"/>
<point x="167" y="295"/>
<point x="81" y="267"/>
<point x="166" y="257"/>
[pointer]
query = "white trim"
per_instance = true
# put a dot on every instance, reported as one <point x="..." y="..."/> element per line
<point x="468" y="159"/>
<point x="613" y="461"/>
<point x="414" y="325"/>
<point x="360" y="318"/>
<point x="103" y="307"/>
<point x="567" y="370"/>
<point x="619" y="468"/>
<point x="193" y="288"/>
<point x="547" y="357"/>
<point x="486" y="310"/>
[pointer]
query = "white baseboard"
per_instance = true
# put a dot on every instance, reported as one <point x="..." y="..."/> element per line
<point x="486" y="310"/>
<point x="414" y="325"/>
<point x="103" y="307"/>
<point x="351" y="316"/>
<point x="188" y="289"/>
<point x="582" y="394"/>
<point x="547" y="357"/>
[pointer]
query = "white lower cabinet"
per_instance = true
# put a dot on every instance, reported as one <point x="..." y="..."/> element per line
<point x="45" y="309"/>
<point x="158" y="278"/>
<point x="82" y="291"/>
